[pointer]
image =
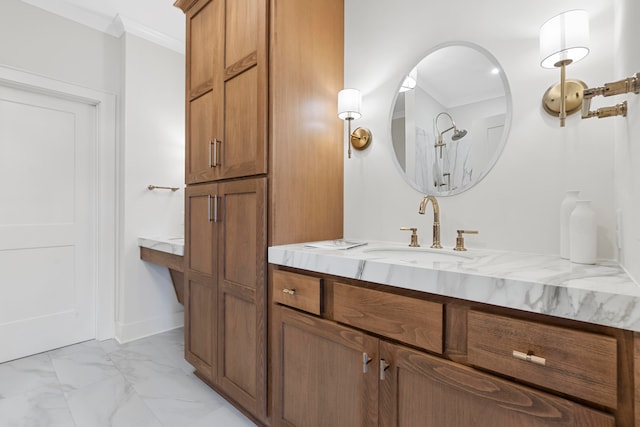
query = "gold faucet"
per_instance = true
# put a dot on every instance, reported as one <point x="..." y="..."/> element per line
<point x="436" y="218"/>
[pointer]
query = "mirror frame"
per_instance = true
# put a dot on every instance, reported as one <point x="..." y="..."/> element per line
<point x="507" y="126"/>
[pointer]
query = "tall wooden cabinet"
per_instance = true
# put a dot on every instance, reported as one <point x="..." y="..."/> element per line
<point x="264" y="166"/>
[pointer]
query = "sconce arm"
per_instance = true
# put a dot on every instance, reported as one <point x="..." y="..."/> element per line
<point x="630" y="84"/>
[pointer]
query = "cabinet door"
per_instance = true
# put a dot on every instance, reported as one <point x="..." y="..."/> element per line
<point x="243" y="148"/>
<point x="319" y="373"/>
<point x="200" y="299"/>
<point x="242" y="246"/>
<point x="421" y="390"/>
<point x="205" y="98"/>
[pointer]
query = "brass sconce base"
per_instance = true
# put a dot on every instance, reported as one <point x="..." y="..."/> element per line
<point x="573" y="97"/>
<point x="360" y="138"/>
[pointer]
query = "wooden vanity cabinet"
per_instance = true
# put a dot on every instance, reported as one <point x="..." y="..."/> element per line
<point x="318" y="364"/>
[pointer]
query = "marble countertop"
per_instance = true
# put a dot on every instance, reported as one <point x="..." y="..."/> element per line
<point x="603" y="294"/>
<point x="170" y="245"/>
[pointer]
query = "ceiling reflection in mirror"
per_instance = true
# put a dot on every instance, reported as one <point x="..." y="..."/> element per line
<point x="450" y="119"/>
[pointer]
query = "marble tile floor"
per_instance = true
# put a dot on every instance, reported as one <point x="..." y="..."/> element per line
<point x="144" y="383"/>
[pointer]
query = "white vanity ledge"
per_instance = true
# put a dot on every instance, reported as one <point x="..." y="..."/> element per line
<point x="602" y="294"/>
<point x="170" y="245"/>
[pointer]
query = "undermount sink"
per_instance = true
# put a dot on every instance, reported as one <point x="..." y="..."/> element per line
<point x="418" y="255"/>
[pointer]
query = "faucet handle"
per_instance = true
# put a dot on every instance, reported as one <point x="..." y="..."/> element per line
<point x="414" y="236"/>
<point x="460" y="239"/>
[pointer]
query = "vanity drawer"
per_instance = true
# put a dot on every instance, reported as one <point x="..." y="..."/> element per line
<point x="298" y="291"/>
<point x="580" y="364"/>
<point x="410" y="320"/>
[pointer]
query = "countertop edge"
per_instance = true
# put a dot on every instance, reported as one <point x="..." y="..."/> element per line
<point x="170" y="245"/>
<point x="601" y="294"/>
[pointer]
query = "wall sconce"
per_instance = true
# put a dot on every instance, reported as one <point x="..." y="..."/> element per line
<point x="563" y="41"/>
<point x="349" y="102"/>
<point x="457" y="133"/>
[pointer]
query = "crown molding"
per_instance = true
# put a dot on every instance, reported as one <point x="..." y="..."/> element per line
<point x="114" y="26"/>
<point x="122" y="24"/>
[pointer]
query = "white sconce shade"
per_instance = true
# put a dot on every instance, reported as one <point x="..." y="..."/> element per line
<point x="564" y="39"/>
<point x="349" y="102"/>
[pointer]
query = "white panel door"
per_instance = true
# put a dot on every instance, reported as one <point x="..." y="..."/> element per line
<point x="47" y="222"/>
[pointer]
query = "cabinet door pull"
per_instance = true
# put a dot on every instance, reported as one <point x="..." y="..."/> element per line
<point x="383" y="367"/>
<point x="213" y="218"/>
<point x="530" y="358"/>
<point x="211" y="143"/>
<point x="215" y="208"/>
<point x="291" y="292"/>
<point x="365" y="363"/>
<point x="215" y="152"/>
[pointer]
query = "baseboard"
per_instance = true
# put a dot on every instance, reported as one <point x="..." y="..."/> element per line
<point x="126" y="332"/>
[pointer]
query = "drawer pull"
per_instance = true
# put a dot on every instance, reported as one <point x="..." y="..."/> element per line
<point x="289" y="291"/>
<point x="530" y="358"/>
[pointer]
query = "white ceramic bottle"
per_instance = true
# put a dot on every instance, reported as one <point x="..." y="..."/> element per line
<point x="583" y="233"/>
<point x="566" y="207"/>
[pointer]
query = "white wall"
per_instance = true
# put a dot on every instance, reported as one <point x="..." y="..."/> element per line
<point x="46" y="44"/>
<point x="627" y="149"/>
<point x="516" y="207"/>
<point x="153" y="153"/>
<point x="149" y="83"/>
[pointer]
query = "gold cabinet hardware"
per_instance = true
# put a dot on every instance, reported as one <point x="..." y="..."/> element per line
<point x="365" y="362"/>
<point x="291" y="292"/>
<point x="383" y="367"/>
<point x="460" y="239"/>
<point x="529" y="357"/>
<point x="414" y="236"/>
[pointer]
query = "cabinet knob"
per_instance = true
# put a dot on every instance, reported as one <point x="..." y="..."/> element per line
<point x="289" y="291"/>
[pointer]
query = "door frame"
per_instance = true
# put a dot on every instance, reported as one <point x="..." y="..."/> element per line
<point x="107" y="194"/>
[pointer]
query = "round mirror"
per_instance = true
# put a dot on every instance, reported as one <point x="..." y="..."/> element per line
<point x="450" y="119"/>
